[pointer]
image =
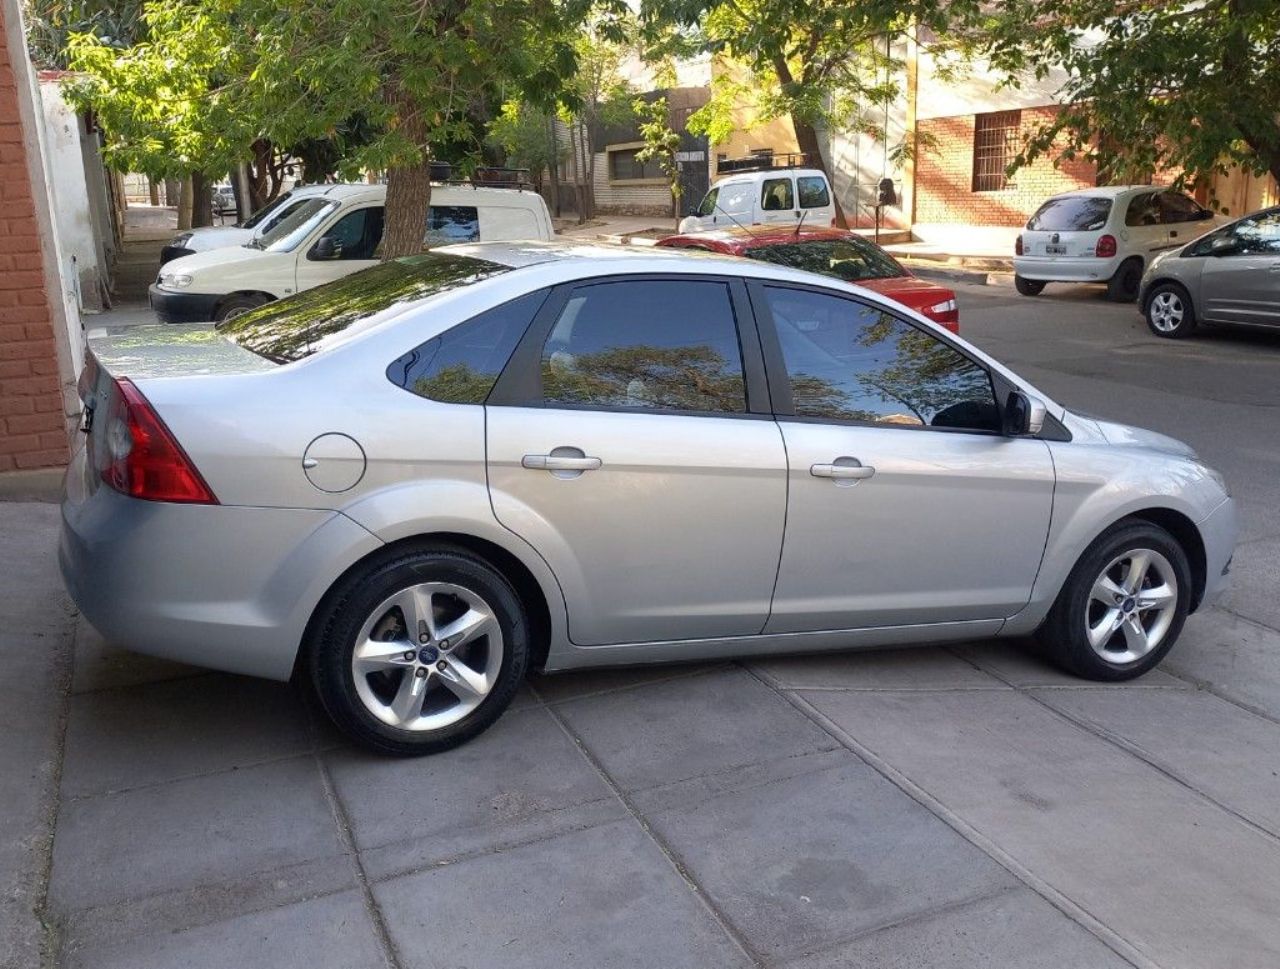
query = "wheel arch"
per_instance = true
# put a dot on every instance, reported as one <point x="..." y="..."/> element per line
<point x="256" y="293"/>
<point x="1159" y="281"/>
<point x="1185" y="533"/>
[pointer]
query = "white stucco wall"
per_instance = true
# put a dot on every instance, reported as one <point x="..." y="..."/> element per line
<point x="976" y="90"/>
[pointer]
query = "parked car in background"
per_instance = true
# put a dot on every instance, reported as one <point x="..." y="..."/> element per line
<point x="412" y="486"/>
<point x="1230" y="276"/>
<point x="1105" y="235"/>
<point x="333" y="233"/>
<point x="764" y="190"/>
<point x="224" y="200"/>
<point x="838" y="253"/>
<point x="207" y="237"/>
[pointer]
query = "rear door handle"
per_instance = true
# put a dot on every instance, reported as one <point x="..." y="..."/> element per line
<point x="556" y="462"/>
<point x="855" y="471"/>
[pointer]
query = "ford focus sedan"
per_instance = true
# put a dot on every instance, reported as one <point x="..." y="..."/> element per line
<point x="412" y="486"/>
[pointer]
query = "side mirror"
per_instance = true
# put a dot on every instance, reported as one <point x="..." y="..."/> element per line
<point x="1224" y="245"/>
<point x="325" y="249"/>
<point x="1023" y="414"/>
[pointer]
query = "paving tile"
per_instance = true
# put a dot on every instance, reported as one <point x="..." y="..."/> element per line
<point x="671" y="731"/>
<point x="156" y="732"/>
<point x="1255" y="576"/>
<point x="100" y="665"/>
<point x="914" y="668"/>
<point x="1016" y="661"/>
<point x="1180" y="879"/>
<point x="1234" y="656"/>
<point x="1213" y="745"/>
<point x="556" y="687"/>
<point x="521" y="778"/>
<point x="186" y="833"/>
<point x="1016" y="929"/>
<point x="604" y="898"/>
<point x="813" y="860"/>
<point x="333" y="932"/>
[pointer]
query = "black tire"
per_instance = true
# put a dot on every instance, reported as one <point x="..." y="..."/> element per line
<point x="350" y="604"/>
<point x="237" y="303"/>
<point x="1123" y="287"/>
<point x="1169" y="311"/>
<point x="1028" y="287"/>
<point x="1064" y="633"/>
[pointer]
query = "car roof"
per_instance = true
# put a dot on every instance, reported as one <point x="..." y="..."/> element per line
<point x="1110" y="191"/>
<point x="489" y="194"/>
<point x="767" y="173"/>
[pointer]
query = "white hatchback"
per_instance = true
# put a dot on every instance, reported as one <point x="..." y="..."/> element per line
<point x="1105" y="235"/>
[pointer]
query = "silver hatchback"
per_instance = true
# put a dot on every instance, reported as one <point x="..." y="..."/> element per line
<point x="414" y="485"/>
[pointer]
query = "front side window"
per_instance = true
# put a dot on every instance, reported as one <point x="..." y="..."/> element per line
<point x="708" y="206"/>
<point x="357" y="234"/>
<point x="1176" y="207"/>
<point x="813" y="192"/>
<point x="449" y="224"/>
<point x="776" y="195"/>
<point x="850" y="259"/>
<point x="647" y="344"/>
<point x="850" y="361"/>
<point x="1258" y="235"/>
<point x="461" y="365"/>
<point x="287" y="234"/>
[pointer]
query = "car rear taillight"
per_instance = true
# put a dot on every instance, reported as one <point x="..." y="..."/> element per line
<point x="143" y="459"/>
<point x="1106" y="247"/>
<point x="1017" y="246"/>
<point x="946" y="314"/>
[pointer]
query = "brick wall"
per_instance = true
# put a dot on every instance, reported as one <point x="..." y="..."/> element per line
<point x="33" y="431"/>
<point x="944" y="176"/>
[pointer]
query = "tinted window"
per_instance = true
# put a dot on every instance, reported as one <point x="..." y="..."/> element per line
<point x="274" y="205"/>
<point x="851" y="361"/>
<point x="319" y="318"/>
<point x="461" y="365"/>
<point x="708" y="206"/>
<point x="666" y="345"/>
<point x="851" y="259"/>
<point x="813" y="192"/>
<point x="1071" y="213"/>
<point x="775" y="194"/>
<point x="287" y="234"/>
<point x="1143" y="210"/>
<point x="447" y="224"/>
<point x="357" y="234"/>
<point x="1175" y="207"/>
<point x="1257" y="235"/>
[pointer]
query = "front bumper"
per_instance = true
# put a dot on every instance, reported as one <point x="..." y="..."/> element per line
<point x="220" y="586"/>
<point x="1066" y="269"/>
<point x="173" y="307"/>
<point x="1218" y="532"/>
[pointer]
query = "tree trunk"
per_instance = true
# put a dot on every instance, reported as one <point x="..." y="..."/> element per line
<point x="184" y="204"/>
<point x="171" y="192"/>
<point x="809" y="144"/>
<point x="154" y="191"/>
<point x="555" y="166"/>
<point x="408" y="201"/>
<point x="201" y="202"/>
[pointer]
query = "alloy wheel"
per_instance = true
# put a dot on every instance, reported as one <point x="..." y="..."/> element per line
<point x="427" y="656"/>
<point x="1166" y="311"/>
<point x="1131" y="606"/>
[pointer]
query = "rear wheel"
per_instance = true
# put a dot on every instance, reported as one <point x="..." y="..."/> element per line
<point x="1169" y="311"/>
<point x="1124" y="285"/>
<point x="1123" y="606"/>
<point x="1028" y="287"/>
<point x="419" y="653"/>
<point x="237" y="304"/>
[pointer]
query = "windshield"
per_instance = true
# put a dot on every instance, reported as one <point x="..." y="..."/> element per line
<point x="318" y="319"/>
<point x="849" y="259"/>
<point x="256" y="219"/>
<point x="1072" y="213"/>
<point x="287" y="234"/>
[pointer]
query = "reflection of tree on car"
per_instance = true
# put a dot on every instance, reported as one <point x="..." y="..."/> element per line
<point x="693" y="378"/>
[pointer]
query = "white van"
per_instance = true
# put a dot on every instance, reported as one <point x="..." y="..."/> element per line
<point x="330" y="235"/>
<point x="219" y="236"/>
<point x="765" y="196"/>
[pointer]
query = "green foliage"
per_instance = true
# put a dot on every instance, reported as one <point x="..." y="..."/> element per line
<point x="50" y="24"/>
<point x="524" y="133"/>
<point x="660" y="142"/>
<point x="1192" y="87"/>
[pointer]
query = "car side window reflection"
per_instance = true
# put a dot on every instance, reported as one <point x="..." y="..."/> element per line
<point x="646" y="344"/>
<point x="851" y="361"/>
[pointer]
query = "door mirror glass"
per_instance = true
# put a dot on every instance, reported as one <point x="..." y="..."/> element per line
<point x="1224" y="245"/>
<point x="1023" y="414"/>
<point x="326" y="248"/>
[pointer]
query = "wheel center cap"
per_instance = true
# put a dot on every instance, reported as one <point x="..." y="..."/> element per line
<point x="428" y="654"/>
<point x="1129" y="604"/>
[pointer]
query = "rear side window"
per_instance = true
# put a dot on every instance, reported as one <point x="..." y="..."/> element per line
<point x="1072" y="213"/>
<point x="448" y="224"/>
<point x="1142" y="210"/>
<point x="776" y="195"/>
<point x="461" y="365"/>
<point x="813" y="192"/>
<point x="646" y="344"/>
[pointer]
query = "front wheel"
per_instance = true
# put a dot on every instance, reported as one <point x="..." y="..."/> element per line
<point x="1169" y="312"/>
<point x="420" y="652"/>
<point x="1123" y="606"/>
<point x="237" y="304"/>
<point x="1028" y="287"/>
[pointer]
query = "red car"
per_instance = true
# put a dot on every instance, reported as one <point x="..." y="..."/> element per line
<point x="831" y="252"/>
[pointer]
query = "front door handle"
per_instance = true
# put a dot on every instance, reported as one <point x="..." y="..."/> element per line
<point x="558" y="462"/>
<point x="843" y="469"/>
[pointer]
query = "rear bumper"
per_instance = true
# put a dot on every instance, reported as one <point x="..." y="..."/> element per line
<point x="1066" y="269"/>
<point x="225" y="587"/>
<point x="1218" y="532"/>
<point x="182" y="307"/>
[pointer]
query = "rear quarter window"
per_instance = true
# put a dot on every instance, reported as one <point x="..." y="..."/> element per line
<point x="1072" y="213"/>
<point x="813" y="192"/>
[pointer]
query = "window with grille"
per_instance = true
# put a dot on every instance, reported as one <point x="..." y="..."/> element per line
<point x="995" y="143"/>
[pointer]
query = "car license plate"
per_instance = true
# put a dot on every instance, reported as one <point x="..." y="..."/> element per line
<point x="1053" y="250"/>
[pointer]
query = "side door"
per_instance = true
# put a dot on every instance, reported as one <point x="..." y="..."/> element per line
<point x="1183" y="217"/>
<point x="630" y="443"/>
<point x="906" y="504"/>
<point x="1240" y="281"/>
<point x="814" y="195"/>
<point x="346" y="245"/>
<point x="777" y="202"/>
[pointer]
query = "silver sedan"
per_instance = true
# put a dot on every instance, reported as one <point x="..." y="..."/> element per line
<point x="413" y="486"/>
<point x="1229" y="276"/>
